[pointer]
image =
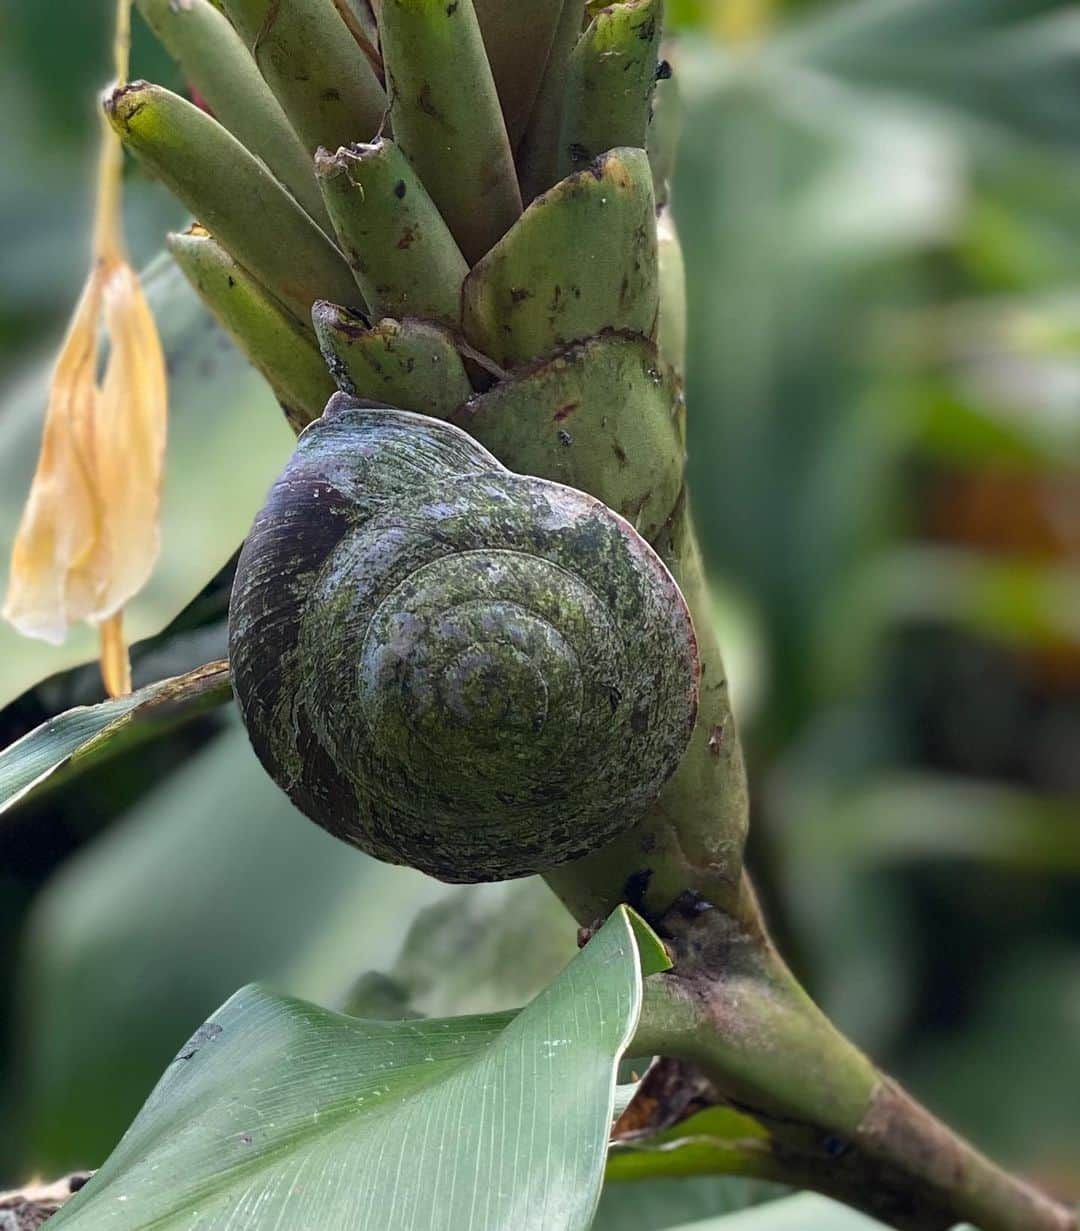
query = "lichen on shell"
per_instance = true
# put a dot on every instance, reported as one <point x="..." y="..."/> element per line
<point x="476" y="673"/>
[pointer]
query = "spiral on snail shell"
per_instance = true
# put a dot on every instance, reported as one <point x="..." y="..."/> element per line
<point x="449" y="665"/>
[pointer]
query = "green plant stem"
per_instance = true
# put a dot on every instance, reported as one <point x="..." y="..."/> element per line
<point x="731" y="1007"/>
<point x="692" y="838"/>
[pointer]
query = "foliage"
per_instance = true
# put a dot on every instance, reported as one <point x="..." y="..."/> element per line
<point x="879" y="204"/>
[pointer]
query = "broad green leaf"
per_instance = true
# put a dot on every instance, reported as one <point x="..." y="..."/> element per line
<point x="806" y="1212"/>
<point x="213" y="880"/>
<point x="227" y="441"/>
<point x="483" y="949"/>
<point x="83" y="736"/>
<point x="479" y="949"/>
<point x="277" y="1113"/>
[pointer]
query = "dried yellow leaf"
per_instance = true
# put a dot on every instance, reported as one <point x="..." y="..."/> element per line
<point x="89" y="536"/>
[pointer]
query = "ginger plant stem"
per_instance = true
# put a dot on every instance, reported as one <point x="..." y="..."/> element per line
<point x="837" y="1124"/>
<point x="731" y="1006"/>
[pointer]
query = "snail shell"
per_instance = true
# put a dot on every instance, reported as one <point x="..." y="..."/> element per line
<point x="451" y="666"/>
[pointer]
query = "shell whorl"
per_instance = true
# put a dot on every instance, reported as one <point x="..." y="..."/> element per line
<point x="451" y="666"/>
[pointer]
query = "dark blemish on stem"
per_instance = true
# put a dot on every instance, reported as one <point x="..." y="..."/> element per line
<point x="664" y="71"/>
<point x="425" y="104"/>
<point x="565" y="439"/>
<point x="835" y="1147"/>
<point x="399" y="190"/>
<point x="565" y="411"/>
<point x="636" y="887"/>
<point x="518" y="294"/>
<point x="689" y="904"/>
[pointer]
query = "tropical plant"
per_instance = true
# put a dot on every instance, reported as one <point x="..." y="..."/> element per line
<point x="471" y="633"/>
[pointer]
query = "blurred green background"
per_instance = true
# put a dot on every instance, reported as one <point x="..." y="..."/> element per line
<point x="880" y="206"/>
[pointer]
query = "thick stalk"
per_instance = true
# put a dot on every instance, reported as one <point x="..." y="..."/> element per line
<point x="731" y="1007"/>
<point x="692" y="838"/>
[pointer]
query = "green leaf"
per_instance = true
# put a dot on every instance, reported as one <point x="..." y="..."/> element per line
<point x="1004" y="63"/>
<point x="652" y="954"/>
<point x="480" y="949"/>
<point x="227" y="441"/>
<point x="1015" y="600"/>
<point x="807" y="1212"/>
<point x="278" y="1113"/>
<point x="90" y="733"/>
<point x="141" y="935"/>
